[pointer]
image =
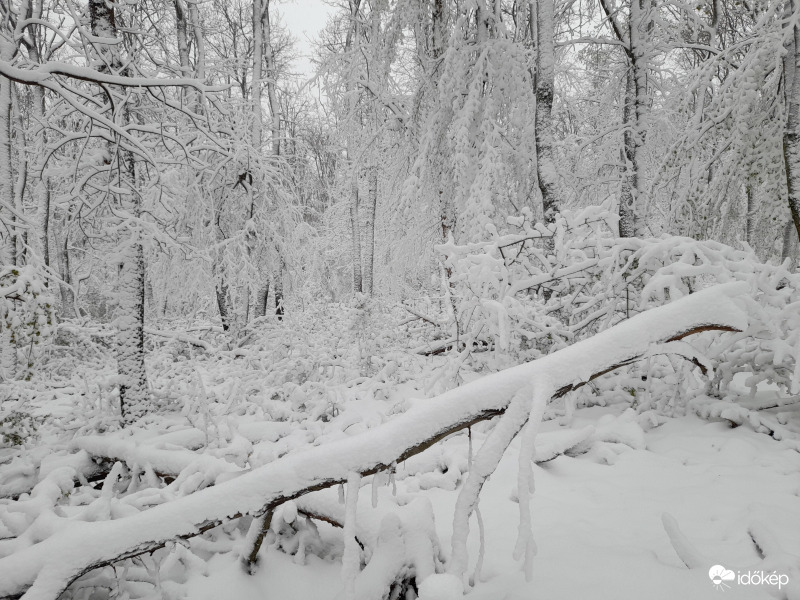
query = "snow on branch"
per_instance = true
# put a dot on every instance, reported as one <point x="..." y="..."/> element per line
<point x="44" y="569"/>
<point x="41" y="73"/>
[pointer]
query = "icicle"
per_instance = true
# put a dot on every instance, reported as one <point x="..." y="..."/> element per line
<point x="351" y="559"/>
<point x="376" y="481"/>
<point x="646" y="400"/>
<point x="486" y="461"/>
<point x="476" y="575"/>
<point x="525" y="547"/>
<point x="469" y="451"/>
<point x="570" y="403"/>
<point x="341" y="494"/>
<point x="392" y="471"/>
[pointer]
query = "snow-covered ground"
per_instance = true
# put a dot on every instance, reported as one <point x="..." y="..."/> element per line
<point x="597" y="520"/>
<point x="626" y="505"/>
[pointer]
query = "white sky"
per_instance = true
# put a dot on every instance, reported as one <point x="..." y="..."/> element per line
<point x="304" y="18"/>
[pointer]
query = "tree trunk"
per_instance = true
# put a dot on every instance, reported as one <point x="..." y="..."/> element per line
<point x="41" y="190"/>
<point x="789" y="242"/>
<point x="8" y="351"/>
<point x="545" y="88"/>
<point x="791" y="135"/>
<point x="275" y="134"/>
<point x="200" y="49"/>
<point x="353" y="33"/>
<point x="369" y="230"/>
<point x="630" y="168"/>
<point x="34" y="42"/>
<point x="279" y="309"/>
<point x="133" y="393"/>
<point x="261" y="300"/>
<point x="630" y="205"/>
<point x="482" y="16"/>
<point x="274" y="105"/>
<point x="67" y="295"/>
<point x="750" y="217"/>
<point x="437" y="25"/>
<point x="259" y="12"/>
<point x="181" y="28"/>
<point x="356" y="237"/>
<point x="218" y="268"/>
<point x="7" y="231"/>
<point x="222" y="304"/>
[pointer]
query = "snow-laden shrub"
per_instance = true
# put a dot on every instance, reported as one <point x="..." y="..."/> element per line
<point x="26" y="313"/>
<point x="533" y="288"/>
<point x="17" y="425"/>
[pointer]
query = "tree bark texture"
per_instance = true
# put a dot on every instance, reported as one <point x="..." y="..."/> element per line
<point x="133" y="393"/>
<point x="791" y="135"/>
<point x="369" y="230"/>
<point x="545" y="90"/>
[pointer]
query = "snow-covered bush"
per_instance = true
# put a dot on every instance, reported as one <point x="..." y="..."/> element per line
<point x="17" y="426"/>
<point x="26" y="313"/>
<point x="533" y="289"/>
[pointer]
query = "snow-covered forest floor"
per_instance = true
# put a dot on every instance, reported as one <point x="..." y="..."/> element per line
<point x="606" y="473"/>
<point x="598" y="526"/>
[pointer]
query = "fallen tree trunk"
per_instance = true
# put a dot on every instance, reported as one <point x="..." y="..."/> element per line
<point x="44" y="570"/>
<point x="180" y="337"/>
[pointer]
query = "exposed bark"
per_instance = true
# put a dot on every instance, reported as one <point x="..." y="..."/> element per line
<point x="352" y="39"/>
<point x="200" y="52"/>
<point x="369" y="229"/>
<point x="258" y="531"/>
<point x="750" y="216"/>
<point x="41" y="190"/>
<point x="275" y="130"/>
<point x="634" y="103"/>
<point x="261" y="300"/>
<point x="545" y="90"/>
<point x="133" y="393"/>
<point x="181" y="30"/>
<point x="355" y="227"/>
<point x="789" y="241"/>
<point x="259" y="15"/>
<point x="791" y="135"/>
<point x="7" y="217"/>
<point x="221" y="291"/>
<point x="8" y="352"/>
<point x="482" y="17"/>
<point x="272" y="76"/>
<point x="446" y="213"/>
<point x="21" y="175"/>
<point x="437" y="25"/>
<point x="65" y="288"/>
<point x="218" y="271"/>
<point x="630" y="169"/>
<point x="278" y="285"/>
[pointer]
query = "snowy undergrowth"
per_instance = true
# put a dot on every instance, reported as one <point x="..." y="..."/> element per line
<point x="716" y="481"/>
<point x="291" y="386"/>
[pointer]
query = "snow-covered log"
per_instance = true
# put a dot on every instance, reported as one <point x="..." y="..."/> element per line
<point x="43" y="570"/>
<point x="181" y="337"/>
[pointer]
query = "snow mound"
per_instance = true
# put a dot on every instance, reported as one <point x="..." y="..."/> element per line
<point x="441" y="587"/>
